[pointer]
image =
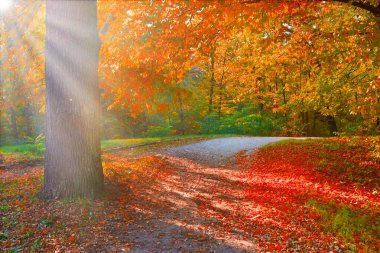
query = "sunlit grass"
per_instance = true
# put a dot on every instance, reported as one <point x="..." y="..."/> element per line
<point x="36" y="151"/>
<point x="115" y="143"/>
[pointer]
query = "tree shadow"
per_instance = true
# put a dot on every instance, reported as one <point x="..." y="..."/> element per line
<point x="177" y="205"/>
<point x="162" y="209"/>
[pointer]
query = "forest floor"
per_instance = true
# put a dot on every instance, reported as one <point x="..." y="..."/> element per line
<point x="318" y="195"/>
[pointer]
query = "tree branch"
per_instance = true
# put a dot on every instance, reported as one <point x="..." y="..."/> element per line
<point x="374" y="9"/>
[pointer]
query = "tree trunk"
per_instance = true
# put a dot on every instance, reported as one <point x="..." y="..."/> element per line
<point x="307" y="123"/>
<point x="212" y="82"/>
<point x="181" y="115"/>
<point x="261" y="107"/>
<point x="313" y="124"/>
<point x="221" y="89"/>
<point x="284" y="95"/>
<point x="72" y="159"/>
<point x="14" y="124"/>
<point x="378" y="118"/>
<point x="220" y="103"/>
<point x="28" y="120"/>
<point x="332" y="125"/>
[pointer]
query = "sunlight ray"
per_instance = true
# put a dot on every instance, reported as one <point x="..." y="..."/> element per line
<point x="5" y="5"/>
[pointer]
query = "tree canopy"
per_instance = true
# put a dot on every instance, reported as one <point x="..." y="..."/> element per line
<point x="166" y="67"/>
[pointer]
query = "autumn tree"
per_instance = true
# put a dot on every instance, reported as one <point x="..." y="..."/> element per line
<point x="72" y="159"/>
<point x="300" y="64"/>
<point x="22" y="88"/>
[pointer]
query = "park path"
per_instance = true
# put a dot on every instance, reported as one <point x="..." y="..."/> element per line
<point x="220" y="151"/>
<point x="189" y="210"/>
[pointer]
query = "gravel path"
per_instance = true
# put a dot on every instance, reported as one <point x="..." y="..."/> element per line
<point x="172" y="215"/>
<point x="219" y="152"/>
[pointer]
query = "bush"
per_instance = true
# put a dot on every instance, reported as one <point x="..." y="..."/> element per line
<point x="157" y="131"/>
<point x="242" y="122"/>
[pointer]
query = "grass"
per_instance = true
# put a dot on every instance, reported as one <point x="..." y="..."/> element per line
<point x="23" y="153"/>
<point x="288" y="142"/>
<point x="35" y="151"/>
<point x="351" y="225"/>
<point x="115" y="143"/>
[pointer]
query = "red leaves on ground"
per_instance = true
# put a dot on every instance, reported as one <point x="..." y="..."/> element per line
<point x="282" y="179"/>
<point x="268" y="203"/>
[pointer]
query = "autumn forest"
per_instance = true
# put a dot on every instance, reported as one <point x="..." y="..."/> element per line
<point x="266" y="68"/>
<point x="149" y="107"/>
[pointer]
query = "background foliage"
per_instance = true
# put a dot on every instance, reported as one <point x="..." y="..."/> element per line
<point x="176" y="68"/>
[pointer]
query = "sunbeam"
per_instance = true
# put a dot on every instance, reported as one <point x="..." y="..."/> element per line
<point x="5" y="5"/>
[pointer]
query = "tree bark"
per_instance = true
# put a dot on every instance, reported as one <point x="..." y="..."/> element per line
<point x="28" y="120"/>
<point x="181" y="115"/>
<point x="332" y="125"/>
<point x="284" y="96"/>
<point x="313" y="124"/>
<point x="220" y="102"/>
<point x="221" y="88"/>
<point x="14" y="124"/>
<point x="72" y="159"/>
<point x="212" y="82"/>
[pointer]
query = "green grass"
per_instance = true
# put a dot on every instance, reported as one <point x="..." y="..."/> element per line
<point x="24" y="152"/>
<point x="22" y="148"/>
<point x="109" y="144"/>
<point x="289" y="142"/>
<point x="351" y="225"/>
<point x="35" y="151"/>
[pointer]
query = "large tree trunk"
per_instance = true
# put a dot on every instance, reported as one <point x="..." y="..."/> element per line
<point x="72" y="158"/>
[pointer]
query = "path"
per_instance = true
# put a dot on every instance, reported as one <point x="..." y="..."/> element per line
<point x="172" y="215"/>
<point x="219" y="152"/>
